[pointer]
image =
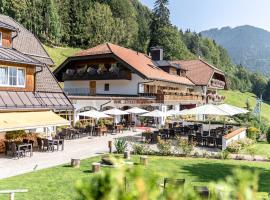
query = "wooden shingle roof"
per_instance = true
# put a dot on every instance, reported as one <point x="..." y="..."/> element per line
<point x="26" y="42"/>
<point x="198" y="71"/>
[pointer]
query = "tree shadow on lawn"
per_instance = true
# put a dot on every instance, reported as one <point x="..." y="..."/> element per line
<point x="208" y="172"/>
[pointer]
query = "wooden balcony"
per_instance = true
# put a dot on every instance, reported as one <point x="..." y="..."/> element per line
<point x="217" y="83"/>
<point x="124" y="75"/>
<point x="184" y="98"/>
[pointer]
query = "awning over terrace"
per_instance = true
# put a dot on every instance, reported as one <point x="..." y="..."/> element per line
<point x="30" y="120"/>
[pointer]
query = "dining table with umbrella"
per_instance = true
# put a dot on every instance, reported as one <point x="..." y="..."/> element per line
<point x="207" y="110"/>
<point x="115" y="112"/>
<point x="136" y="111"/>
<point x="156" y="114"/>
<point x="95" y="115"/>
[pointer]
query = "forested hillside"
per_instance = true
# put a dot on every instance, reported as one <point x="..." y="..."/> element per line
<point x="246" y="45"/>
<point x="86" y="23"/>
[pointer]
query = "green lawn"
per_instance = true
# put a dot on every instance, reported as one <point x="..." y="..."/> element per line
<point x="261" y="148"/>
<point x="59" y="54"/>
<point x="58" y="182"/>
<point x="239" y="99"/>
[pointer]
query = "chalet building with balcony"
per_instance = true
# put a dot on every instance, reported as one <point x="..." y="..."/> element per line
<point x="210" y="78"/>
<point x="29" y="93"/>
<point x="109" y="75"/>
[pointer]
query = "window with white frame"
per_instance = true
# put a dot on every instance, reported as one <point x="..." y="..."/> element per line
<point x="12" y="76"/>
<point x="0" y="39"/>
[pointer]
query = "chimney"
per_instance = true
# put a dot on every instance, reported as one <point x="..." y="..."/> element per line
<point x="156" y="53"/>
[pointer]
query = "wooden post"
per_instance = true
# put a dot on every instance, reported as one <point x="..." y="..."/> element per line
<point x="144" y="160"/>
<point x="75" y="163"/>
<point x="95" y="167"/>
<point x="12" y="192"/>
<point x="127" y="155"/>
<point x="110" y="146"/>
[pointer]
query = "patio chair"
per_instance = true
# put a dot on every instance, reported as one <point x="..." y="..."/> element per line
<point x="210" y="141"/>
<point x="15" y="152"/>
<point x="40" y="144"/>
<point x="7" y="148"/>
<point x="49" y="146"/>
<point x="219" y="142"/>
<point x="175" y="183"/>
<point x="171" y="133"/>
<point x="202" y="191"/>
<point x="199" y="140"/>
<point x="154" y="137"/>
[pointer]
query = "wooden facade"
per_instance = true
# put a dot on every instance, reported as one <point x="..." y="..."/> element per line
<point x="29" y="78"/>
<point x="6" y="38"/>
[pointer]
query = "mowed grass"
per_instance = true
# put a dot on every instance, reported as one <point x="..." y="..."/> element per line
<point x="57" y="183"/>
<point x="261" y="149"/>
<point x="239" y="99"/>
<point x="59" y="54"/>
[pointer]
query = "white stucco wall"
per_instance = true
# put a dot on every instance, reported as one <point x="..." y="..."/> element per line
<point x="226" y="142"/>
<point x="127" y="87"/>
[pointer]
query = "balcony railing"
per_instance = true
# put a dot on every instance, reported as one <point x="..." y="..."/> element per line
<point x="217" y="83"/>
<point x="79" y="91"/>
<point x="215" y="98"/>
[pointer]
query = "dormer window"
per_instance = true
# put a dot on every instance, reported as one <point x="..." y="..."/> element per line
<point x="12" y="76"/>
<point x="0" y="39"/>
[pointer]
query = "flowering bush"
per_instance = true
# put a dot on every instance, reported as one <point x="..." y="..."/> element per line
<point x="234" y="147"/>
<point x="141" y="149"/>
<point x="253" y="133"/>
<point x="164" y="147"/>
<point x="183" y="147"/>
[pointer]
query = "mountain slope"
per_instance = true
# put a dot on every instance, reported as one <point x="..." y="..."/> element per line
<point x="246" y="45"/>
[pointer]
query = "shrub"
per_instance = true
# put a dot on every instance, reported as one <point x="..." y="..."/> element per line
<point x="234" y="147"/>
<point x="164" y="147"/>
<point x="246" y="142"/>
<point x="223" y="155"/>
<point x="268" y="135"/>
<point x="141" y="149"/>
<point x="251" y="150"/>
<point x="120" y="145"/>
<point x="253" y="133"/>
<point x="183" y="147"/>
<point x="15" y="135"/>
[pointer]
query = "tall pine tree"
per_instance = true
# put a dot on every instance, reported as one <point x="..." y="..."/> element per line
<point x="160" y="19"/>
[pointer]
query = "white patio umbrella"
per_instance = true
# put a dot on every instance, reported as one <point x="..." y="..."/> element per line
<point x="115" y="112"/>
<point x="207" y="109"/>
<point x="136" y="110"/>
<point x="233" y="110"/>
<point x="156" y="113"/>
<point x="94" y="114"/>
<point x="172" y="112"/>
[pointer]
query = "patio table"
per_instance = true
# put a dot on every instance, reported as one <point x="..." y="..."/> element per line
<point x="24" y="146"/>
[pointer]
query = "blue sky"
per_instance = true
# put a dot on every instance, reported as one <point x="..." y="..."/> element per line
<point x="200" y="15"/>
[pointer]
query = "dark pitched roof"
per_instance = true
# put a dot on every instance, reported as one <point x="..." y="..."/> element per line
<point x="12" y="55"/>
<point x="26" y="42"/>
<point x="165" y="63"/>
<point x="29" y="101"/>
<point x="46" y="82"/>
<point x="7" y="26"/>
<point x="139" y="62"/>
<point x="198" y="71"/>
